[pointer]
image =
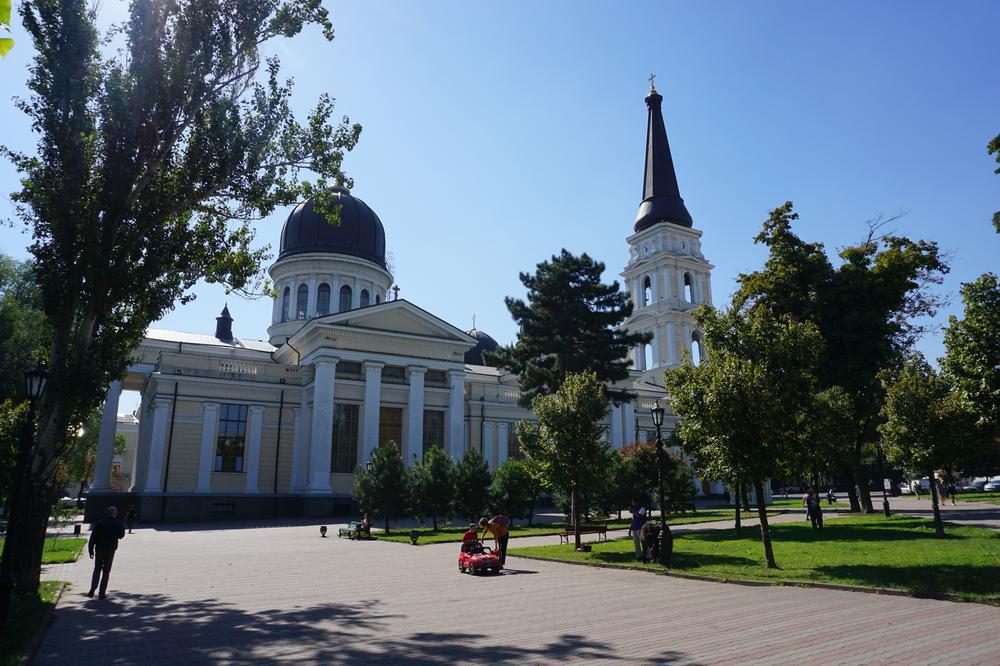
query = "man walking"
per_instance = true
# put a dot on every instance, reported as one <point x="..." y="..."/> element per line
<point x="638" y="512"/>
<point x="103" y="543"/>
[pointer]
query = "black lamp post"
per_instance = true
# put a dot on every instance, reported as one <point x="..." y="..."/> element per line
<point x="881" y="466"/>
<point x="666" y="538"/>
<point x="368" y="465"/>
<point x="34" y="385"/>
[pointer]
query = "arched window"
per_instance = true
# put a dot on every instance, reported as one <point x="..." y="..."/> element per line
<point x="647" y="352"/>
<point x="323" y="300"/>
<point x="688" y="288"/>
<point x="647" y="291"/>
<point x="365" y="298"/>
<point x="697" y="353"/>
<point x="345" y="299"/>
<point x="286" y="303"/>
<point x="378" y="299"/>
<point x="301" y="301"/>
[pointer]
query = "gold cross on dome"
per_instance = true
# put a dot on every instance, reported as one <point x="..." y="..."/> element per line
<point x="652" y="78"/>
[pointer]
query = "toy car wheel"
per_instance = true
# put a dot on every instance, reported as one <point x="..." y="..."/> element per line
<point x="461" y="569"/>
<point x="472" y="569"/>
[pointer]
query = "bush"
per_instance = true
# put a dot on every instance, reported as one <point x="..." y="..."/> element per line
<point x="514" y="491"/>
<point x="381" y="491"/>
<point x="472" y="481"/>
<point x="431" y="486"/>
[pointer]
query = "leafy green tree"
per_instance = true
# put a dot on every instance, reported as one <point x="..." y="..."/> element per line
<point x="432" y="486"/>
<point x="472" y="483"/>
<point x="514" y="490"/>
<point x="6" y="43"/>
<point x="152" y="163"/>
<point x="77" y="463"/>
<point x="381" y="491"/>
<point x="740" y="409"/>
<point x="570" y="324"/>
<point x="972" y="344"/>
<point x="867" y="309"/>
<point x="12" y="423"/>
<point x="566" y="448"/>
<point x="825" y="436"/>
<point x="993" y="148"/>
<point x="925" y="427"/>
<point x="24" y="334"/>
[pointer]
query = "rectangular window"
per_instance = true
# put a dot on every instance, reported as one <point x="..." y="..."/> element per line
<point x="394" y="374"/>
<point x="433" y="429"/>
<point x="231" y="440"/>
<point x="348" y="370"/>
<point x="390" y="426"/>
<point x="436" y="378"/>
<point x="344" y="454"/>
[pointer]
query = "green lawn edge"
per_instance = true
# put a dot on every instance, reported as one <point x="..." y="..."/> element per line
<point x="974" y="578"/>
<point x="60" y="550"/>
<point x="30" y="614"/>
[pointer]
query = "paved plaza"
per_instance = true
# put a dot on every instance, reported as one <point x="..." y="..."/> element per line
<point x="275" y="594"/>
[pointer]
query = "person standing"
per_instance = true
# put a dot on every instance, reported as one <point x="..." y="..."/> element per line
<point x="500" y="536"/>
<point x="130" y="517"/>
<point x="104" y="536"/>
<point x="814" y="508"/>
<point x="638" y="512"/>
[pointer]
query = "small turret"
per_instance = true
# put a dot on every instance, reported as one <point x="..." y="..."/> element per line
<point x="224" y="326"/>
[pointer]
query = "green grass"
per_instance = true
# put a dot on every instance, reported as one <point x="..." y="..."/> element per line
<point x="454" y="534"/>
<point x="993" y="498"/>
<point x="60" y="550"/>
<point x="27" y="613"/>
<point x="899" y="552"/>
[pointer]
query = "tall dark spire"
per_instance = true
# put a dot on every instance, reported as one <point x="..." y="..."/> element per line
<point x="661" y="198"/>
<point x="224" y="326"/>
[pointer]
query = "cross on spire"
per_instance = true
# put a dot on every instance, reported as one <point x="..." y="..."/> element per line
<point x="652" y="78"/>
<point x="473" y="320"/>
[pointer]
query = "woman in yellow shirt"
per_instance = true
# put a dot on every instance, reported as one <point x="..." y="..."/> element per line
<point x="500" y="535"/>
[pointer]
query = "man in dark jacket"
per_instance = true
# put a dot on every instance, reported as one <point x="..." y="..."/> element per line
<point x="103" y="543"/>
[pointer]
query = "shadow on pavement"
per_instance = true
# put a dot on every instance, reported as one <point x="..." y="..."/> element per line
<point x="128" y="629"/>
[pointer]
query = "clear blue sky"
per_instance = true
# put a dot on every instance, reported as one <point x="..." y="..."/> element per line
<point x="497" y="133"/>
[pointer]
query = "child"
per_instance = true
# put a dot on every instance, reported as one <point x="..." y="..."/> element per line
<point x="470" y="540"/>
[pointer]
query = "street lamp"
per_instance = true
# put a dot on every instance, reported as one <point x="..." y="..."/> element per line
<point x="881" y="466"/>
<point x="34" y="385"/>
<point x="368" y="465"/>
<point x="666" y="539"/>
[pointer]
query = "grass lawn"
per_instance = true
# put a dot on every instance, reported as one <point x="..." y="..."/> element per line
<point x="899" y="552"/>
<point x="26" y="615"/>
<point x="60" y="550"/>
<point x="454" y="534"/>
<point x="979" y="497"/>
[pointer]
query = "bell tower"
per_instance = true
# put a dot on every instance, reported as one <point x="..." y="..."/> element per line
<point x="666" y="275"/>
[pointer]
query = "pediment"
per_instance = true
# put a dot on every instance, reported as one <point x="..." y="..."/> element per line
<point x="399" y="317"/>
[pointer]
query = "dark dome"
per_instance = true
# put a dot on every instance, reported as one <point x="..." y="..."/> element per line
<point x="483" y="343"/>
<point x="359" y="234"/>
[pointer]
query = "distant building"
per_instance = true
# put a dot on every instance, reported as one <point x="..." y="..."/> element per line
<point x="236" y="427"/>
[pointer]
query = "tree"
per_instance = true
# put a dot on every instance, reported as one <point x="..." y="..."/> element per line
<point x="867" y="310"/>
<point x="432" y="486"/>
<point x="570" y="324"/>
<point x="472" y="482"/>
<point x="77" y="463"/>
<point x="381" y="491"/>
<point x="514" y="490"/>
<point x="566" y="448"/>
<point x="24" y="334"/>
<point x="925" y="427"/>
<point x="739" y="410"/>
<point x="972" y="359"/>
<point x="993" y="148"/>
<point x="6" y="43"/>
<point x="151" y="164"/>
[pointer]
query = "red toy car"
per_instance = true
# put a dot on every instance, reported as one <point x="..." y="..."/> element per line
<point x="477" y="558"/>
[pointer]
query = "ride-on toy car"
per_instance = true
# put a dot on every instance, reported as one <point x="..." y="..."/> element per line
<point x="477" y="558"/>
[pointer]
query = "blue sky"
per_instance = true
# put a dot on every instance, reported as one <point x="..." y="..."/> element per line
<point x="497" y="133"/>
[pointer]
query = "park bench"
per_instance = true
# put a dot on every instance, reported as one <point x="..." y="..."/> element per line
<point x="350" y="530"/>
<point x="600" y="529"/>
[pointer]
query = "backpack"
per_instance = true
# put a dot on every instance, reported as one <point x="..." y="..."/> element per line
<point x="501" y="519"/>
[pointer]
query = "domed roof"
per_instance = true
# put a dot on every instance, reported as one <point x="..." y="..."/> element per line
<point x="359" y="234"/>
<point x="483" y="343"/>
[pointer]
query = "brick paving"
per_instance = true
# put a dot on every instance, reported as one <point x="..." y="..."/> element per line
<point x="283" y="595"/>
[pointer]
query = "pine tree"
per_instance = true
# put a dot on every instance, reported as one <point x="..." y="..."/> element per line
<point x="570" y="324"/>
<point x="432" y="486"/>
<point x="472" y="482"/>
<point x="382" y="490"/>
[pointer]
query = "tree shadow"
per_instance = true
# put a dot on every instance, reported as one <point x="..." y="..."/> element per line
<point x="680" y="560"/>
<point x="901" y="529"/>
<point x="131" y="628"/>
<point x="931" y="580"/>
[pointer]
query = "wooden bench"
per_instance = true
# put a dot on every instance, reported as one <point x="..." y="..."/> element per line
<point x="350" y="530"/>
<point x="600" y="529"/>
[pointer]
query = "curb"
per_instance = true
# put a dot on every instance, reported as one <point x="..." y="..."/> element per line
<point x="36" y="641"/>
<point x="780" y="582"/>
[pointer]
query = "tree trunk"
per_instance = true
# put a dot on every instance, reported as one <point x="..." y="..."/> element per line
<point x="765" y="531"/>
<point x="866" y="497"/>
<point x="935" y="505"/>
<point x="745" y="497"/>
<point x="575" y="501"/>
<point x="434" y="522"/>
<point x="531" y="511"/>
<point x="387" y="523"/>
<point x="739" y="524"/>
<point x="25" y="539"/>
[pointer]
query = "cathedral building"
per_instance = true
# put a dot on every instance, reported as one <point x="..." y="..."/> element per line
<point x="234" y="427"/>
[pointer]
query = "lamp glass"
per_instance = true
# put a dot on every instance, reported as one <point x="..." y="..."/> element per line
<point x="657" y="412"/>
<point x="34" y="381"/>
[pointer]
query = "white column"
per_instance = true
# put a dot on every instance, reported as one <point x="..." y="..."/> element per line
<point x="488" y="449"/>
<point x="695" y="287"/>
<point x="356" y="295"/>
<point x="276" y="306"/>
<point x="628" y="427"/>
<point x="686" y="343"/>
<point x="501" y="443"/>
<point x="305" y="437"/>
<point x="656" y="346"/>
<point x="321" y="439"/>
<point x="680" y="284"/>
<point x="666" y="283"/>
<point x="158" y="443"/>
<point x="252" y="468"/>
<point x="206" y="459"/>
<point x="373" y="403"/>
<point x="106" y="438"/>
<point x="616" y="426"/>
<point x="640" y="358"/>
<point x="415" y="418"/>
<point x="311" y="301"/>
<point x="708" y="288"/>
<point x="671" y="344"/>
<point x="456" y="415"/>
<point x="655" y="286"/>
<point x="297" y="449"/>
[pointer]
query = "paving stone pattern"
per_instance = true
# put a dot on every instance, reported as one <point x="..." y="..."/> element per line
<point x="281" y="594"/>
